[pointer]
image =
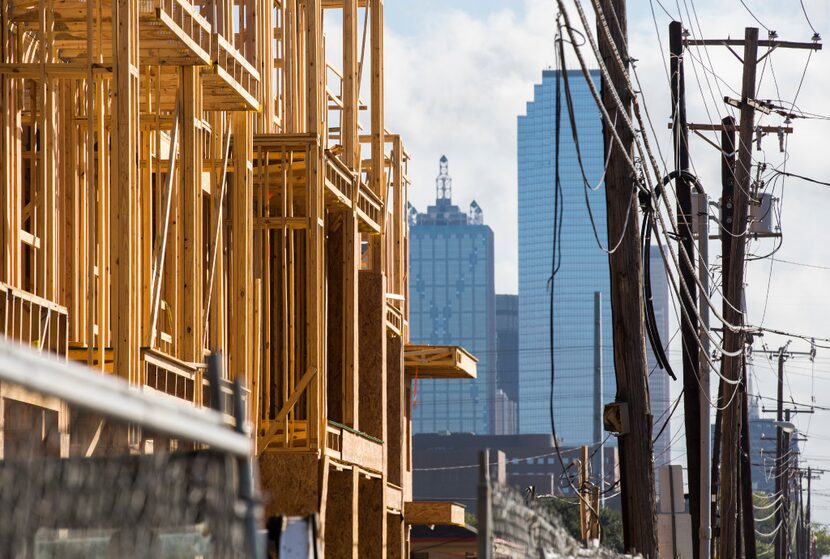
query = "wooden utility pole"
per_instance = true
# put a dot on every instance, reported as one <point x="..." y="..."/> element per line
<point x="637" y="476"/>
<point x="688" y="294"/>
<point x="782" y="417"/>
<point x="733" y="337"/>
<point x="785" y="464"/>
<point x="728" y="128"/>
<point x="734" y="251"/>
<point x="599" y="461"/>
<point x="747" y="508"/>
<point x="735" y="209"/>
<point x="485" y="507"/>
<point x="780" y="487"/>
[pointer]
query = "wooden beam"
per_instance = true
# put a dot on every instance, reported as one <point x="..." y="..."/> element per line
<point x="815" y="45"/>
<point x="439" y="513"/>
<point x="192" y="276"/>
<point x="719" y="127"/>
<point x="124" y="193"/>
<point x="439" y="361"/>
<point x="241" y="291"/>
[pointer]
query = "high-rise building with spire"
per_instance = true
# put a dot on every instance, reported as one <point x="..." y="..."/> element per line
<point x="452" y="302"/>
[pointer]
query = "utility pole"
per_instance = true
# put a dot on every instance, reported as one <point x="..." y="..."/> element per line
<point x="808" y="526"/>
<point x="783" y="536"/>
<point x="780" y="486"/>
<point x="747" y="508"/>
<point x="812" y="473"/>
<point x="688" y="293"/>
<point x="734" y="251"/>
<point x="733" y="336"/>
<point x="782" y="439"/>
<point x="626" y="274"/>
<point x="728" y="128"/>
<point x="800" y="546"/>
<point x="485" y="507"/>
<point x="599" y="461"/>
<point x="734" y="254"/>
<point x="705" y="492"/>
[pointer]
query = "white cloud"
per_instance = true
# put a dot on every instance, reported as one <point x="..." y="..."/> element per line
<point x="456" y="89"/>
<point x="457" y="80"/>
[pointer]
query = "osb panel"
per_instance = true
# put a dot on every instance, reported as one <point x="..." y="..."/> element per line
<point x="290" y="483"/>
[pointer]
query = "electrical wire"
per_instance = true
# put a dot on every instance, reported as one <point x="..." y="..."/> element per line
<point x="586" y="185"/>
<point x="646" y="144"/>
<point x="802" y="177"/>
<point x="665" y="423"/>
<point x="555" y="250"/>
<point x="754" y="16"/>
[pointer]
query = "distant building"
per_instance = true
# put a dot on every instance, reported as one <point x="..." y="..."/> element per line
<point x="763" y="443"/>
<point x="452" y="302"/>
<point x="443" y="542"/>
<point x="583" y="271"/>
<point x="445" y="467"/>
<point x="505" y="414"/>
<point x="658" y="379"/>
<point x="507" y="365"/>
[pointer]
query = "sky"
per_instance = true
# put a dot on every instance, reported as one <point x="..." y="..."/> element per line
<point x="459" y="72"/>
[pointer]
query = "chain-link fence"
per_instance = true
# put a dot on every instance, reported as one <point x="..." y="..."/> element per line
<point x="94" y="468"/>
<point x="514" y="526"/>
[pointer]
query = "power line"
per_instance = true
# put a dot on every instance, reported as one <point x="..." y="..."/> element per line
<point x="803" y="264"/>
<point x="802" y="177"/>
<point x="810" y="23"/>
<point x="754" y="16"/>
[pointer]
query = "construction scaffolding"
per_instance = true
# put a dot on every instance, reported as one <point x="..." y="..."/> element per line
<point x="180" y="178"/>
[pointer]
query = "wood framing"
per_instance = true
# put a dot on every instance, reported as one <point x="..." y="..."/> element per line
<point x="434" y="512"/>
<point x="439" y="361"/>
<point x="189" y="176"/>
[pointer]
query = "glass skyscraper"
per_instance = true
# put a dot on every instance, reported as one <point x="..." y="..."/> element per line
<point x="452" y="302"/>
<point x="658" y="379"/>
<point x="584" y="266"/>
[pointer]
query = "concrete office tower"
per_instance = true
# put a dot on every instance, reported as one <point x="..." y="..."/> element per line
<point x="583" y="271"/>
<point x="452" y="298"/>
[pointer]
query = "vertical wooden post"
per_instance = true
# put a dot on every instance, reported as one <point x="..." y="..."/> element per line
<point x="377" y="122"/>
<point x="349" y="131"/>
<point x="314" y="254"/>
<point x="192" y="276"/>
<point x="485" y="507"/>
<point x="47" y="223"/>
<point x="636" y="449"/>
<point x="727" y="196"/>
<point x="241" y="290"/>
<point x="123" y="242"/>
<point x="745" y="454"/>
<point x="733" y="341"/>
<point x="351" y="236"/>
<point x="689" y="326"/>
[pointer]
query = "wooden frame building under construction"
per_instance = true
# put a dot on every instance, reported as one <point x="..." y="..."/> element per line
<point x="179" y="178"/>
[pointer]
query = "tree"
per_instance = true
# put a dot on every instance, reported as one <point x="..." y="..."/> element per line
<point x="822" y="540"/>
<point x="610" y="521"/>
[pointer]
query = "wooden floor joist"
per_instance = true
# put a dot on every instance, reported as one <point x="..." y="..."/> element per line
<point x="439" y="361"/>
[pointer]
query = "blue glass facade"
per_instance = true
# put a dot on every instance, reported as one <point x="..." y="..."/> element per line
<point x="584" y="266"/>
<point x="452" y="302"/>
<point x="658" y="380"/>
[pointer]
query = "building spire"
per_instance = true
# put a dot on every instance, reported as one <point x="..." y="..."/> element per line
<point x="443" y="182"/>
